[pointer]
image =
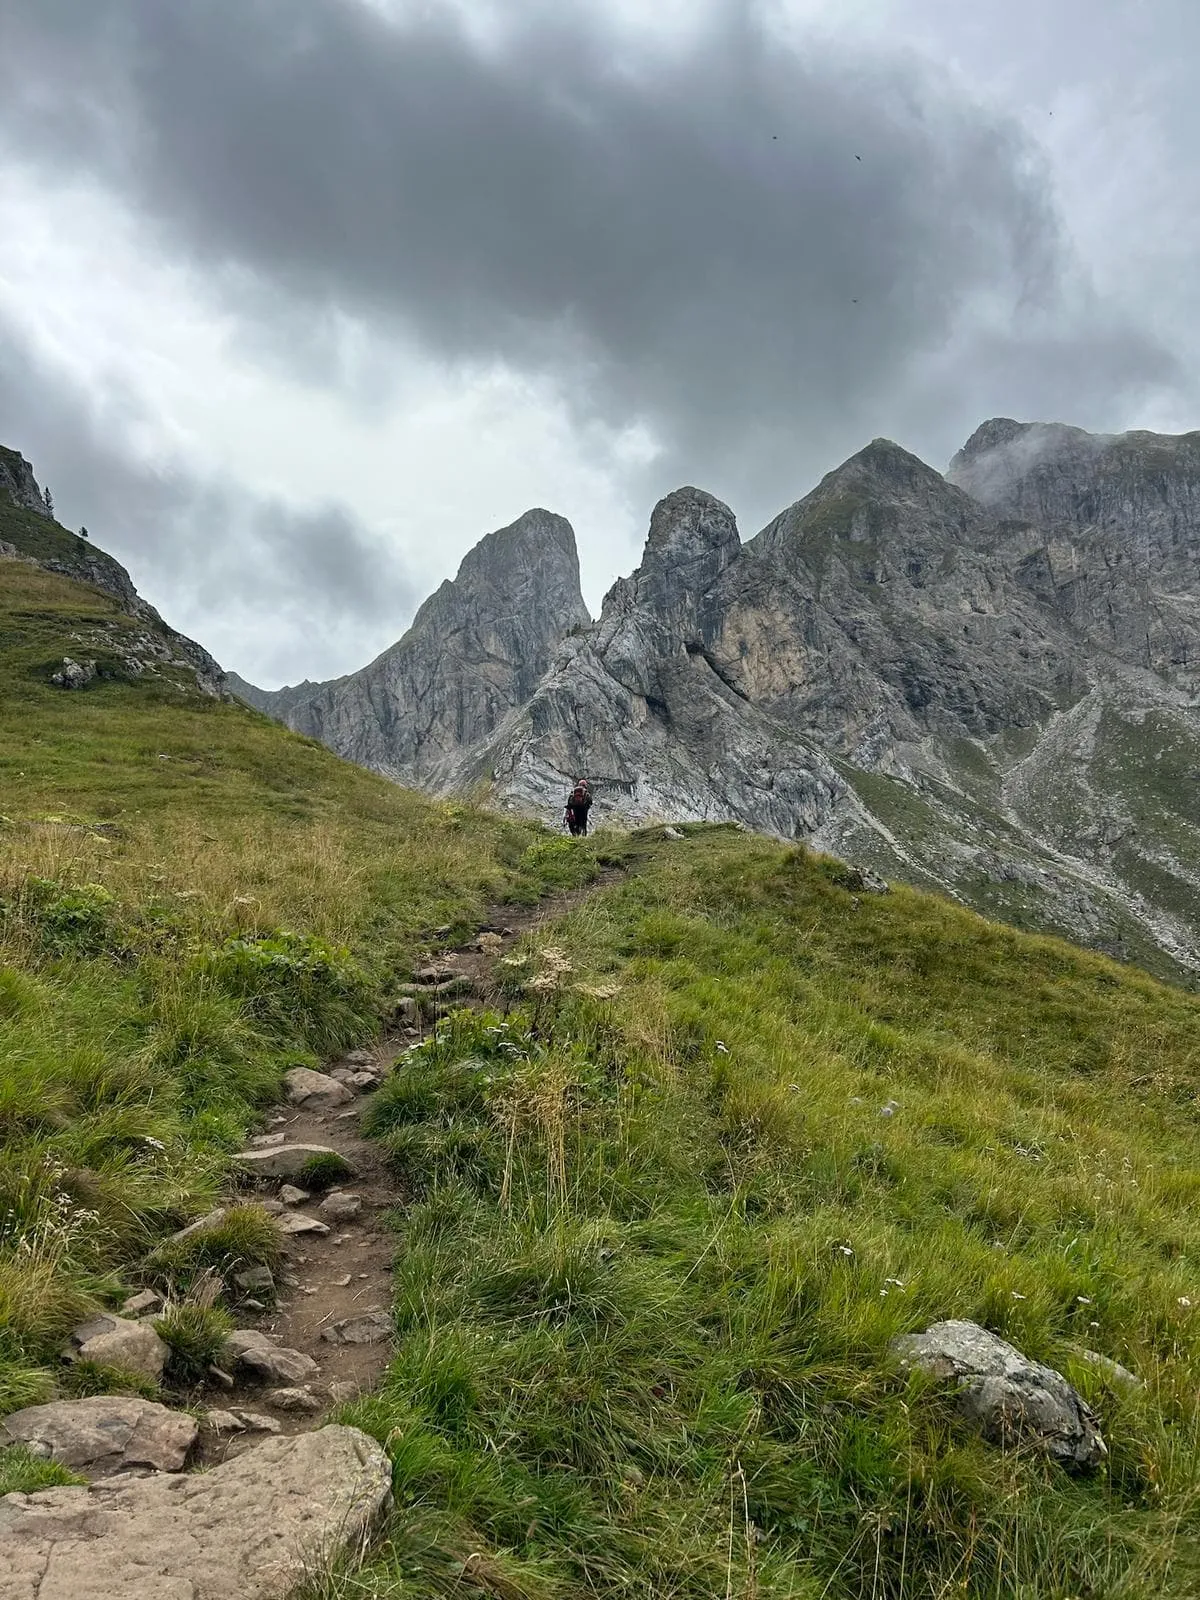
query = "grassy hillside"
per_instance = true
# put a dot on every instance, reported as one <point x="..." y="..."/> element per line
<point x="743" y="1129"/>
<point x="735" y="1127"/>
<point x="57" y="547"/>
<point x="192" y="900"/>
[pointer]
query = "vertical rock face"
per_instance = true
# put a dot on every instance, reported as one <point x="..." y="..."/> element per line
<point x="476" y="648"/>
<point x="19" y="484"/>
<point x="896" y="619"/>
<point x="641" y="704"/>
<point x="1113" y="543"/>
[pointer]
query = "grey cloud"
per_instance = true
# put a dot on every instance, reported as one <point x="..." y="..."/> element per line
<point x="688" y="237"/>
<point x="205" y="551"/>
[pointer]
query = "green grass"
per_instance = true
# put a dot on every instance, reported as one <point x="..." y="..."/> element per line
<point x="321" y="1172"/>
<point x="658" y="1233"/>
<point x="663" y="1238"/>
<point x="192" y="901"/>
<point x="195" y="1336"/>
<point x="21" y="1472"/>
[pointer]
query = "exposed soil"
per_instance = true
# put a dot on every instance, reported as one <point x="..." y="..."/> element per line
<point x="347" y="1272"/>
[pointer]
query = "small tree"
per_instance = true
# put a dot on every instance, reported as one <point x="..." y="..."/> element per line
<point x="83" y="533"/>
<point x="49" y="499"/>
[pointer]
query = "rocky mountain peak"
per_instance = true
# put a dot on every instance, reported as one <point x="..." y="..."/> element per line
<point x="693" y="537"/>
<point x="989" y="435"/>
<point x="690" y="525"/>
<point x="538" y="542"/>
<point x="883" y="465"/>
<point x="1049" y="473"/>
<point x="884" y="501"/>
<point x="478" y="647"/>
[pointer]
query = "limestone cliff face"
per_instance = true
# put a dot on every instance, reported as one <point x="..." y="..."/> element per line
<point x="640" y="704"/>
<point x="1112" y="537"/>
<point x="478" y="647"/>
<point x="18" y="483"/>
<point x="892" y="616"/>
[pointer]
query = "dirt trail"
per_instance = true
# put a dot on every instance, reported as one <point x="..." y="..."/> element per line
<point x="329" y="1278"/>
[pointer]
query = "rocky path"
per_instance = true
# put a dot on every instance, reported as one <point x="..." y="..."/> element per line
<point x="284" y="1492"/>
<point x="334" y="1290"/>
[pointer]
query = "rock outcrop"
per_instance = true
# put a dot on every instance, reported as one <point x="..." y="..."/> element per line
<point x="19" y="484"/>
<point x="251" y="1528"/>
<point x="1012" y="1400"/>
<point x="262" y="1358"/>
<point x="113" y="1341"/>
<point x="1111" y="536"/>
<point x="645" y="705"/>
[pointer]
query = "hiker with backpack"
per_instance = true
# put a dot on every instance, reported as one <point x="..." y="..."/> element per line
<point x="579" y="803"/>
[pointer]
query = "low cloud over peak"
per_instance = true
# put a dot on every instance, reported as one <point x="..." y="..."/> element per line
<point x="758" y="252"/>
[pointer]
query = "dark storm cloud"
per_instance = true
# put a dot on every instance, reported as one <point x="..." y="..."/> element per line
<point x="753" y="248"/>
<point x="193" y="544"/>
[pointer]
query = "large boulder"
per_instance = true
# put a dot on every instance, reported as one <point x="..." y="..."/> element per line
<point x="250" y="1529"/>
<point x="104" y="1433"/>
<point x="1011" y="1399"/>
<point x="307" y="1088"/>
<point x="113" y="1341"/>
<point x="254" y="1353"/>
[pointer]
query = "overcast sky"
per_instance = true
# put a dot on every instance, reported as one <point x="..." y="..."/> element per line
<point x="299" y="298"/>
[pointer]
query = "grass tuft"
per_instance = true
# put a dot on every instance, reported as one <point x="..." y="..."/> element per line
<point x="246" y="1236"/>
<point x="321" y="1172"/>
<point x="195" y="1336"/>
<point x="21" y="1472"/>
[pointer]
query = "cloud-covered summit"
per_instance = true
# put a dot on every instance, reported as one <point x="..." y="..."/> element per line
<point x="753" y="248"/>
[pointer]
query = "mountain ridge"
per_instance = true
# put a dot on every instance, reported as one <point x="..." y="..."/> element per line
<point x="895" y="669"/>
<point x="901" y="665"/>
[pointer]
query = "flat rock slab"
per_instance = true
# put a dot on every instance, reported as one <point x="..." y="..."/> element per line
<point x="205" y="1224"/>
<point x="143" y="1304"/>
<point x="307" y="1088"/>
<point x="250" y="1351"/>
<point x="248" y="1530"/>
<point x="294" y="1400"/>
<point x="283" y="1160"/>
<point x="293" y="1222"/>
<point x="1011" y="1399"/>
<point x="373" y="1327"/>
<point x="359" y="1082"/>
<point x="1112" y="1370"/>
<point x="114" y="1341"/>
<point x="104" y="1433"/>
